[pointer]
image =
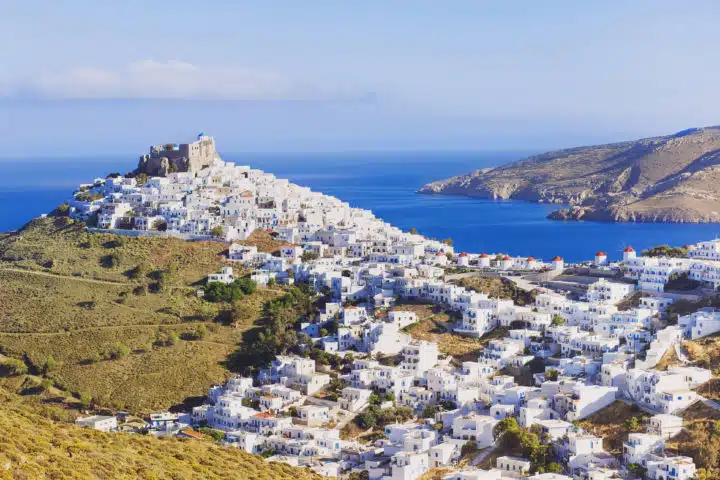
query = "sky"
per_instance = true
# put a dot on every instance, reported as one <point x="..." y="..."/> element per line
<point x="87" y="77"/>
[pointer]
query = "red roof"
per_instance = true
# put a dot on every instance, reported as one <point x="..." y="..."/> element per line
<point x="193" y="434"/>
<point x="262" y="415"/>
<point x="629" y="250"/>
<point x="600" y="254"/>
<point x="482" y="255"/>
<point x="557" y="259"/>
<point x="463" y="254"/>
<point x="530" y="259"/>
<point x="506" y="257"/>
<point x="439" y="254"/>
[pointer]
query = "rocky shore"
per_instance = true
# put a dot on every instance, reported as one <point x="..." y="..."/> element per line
<point x="675" y="178"/>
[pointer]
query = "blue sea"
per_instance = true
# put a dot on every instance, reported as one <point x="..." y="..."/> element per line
<point x="384" y="183"/>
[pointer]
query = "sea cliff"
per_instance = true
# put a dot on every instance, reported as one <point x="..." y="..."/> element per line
<point x="674" y="178"/>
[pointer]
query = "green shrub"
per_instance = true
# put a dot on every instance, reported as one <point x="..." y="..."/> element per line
<point x="14" y="367"/>
<point x="117" y="352"/>
<point x="230" y="292"/>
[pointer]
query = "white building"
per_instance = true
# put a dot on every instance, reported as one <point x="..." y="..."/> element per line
<point x="706" y="250"/>
<point x="354" y="399"/>
<point x="606" y="292"/>
<point x="665" y="425"/>
<point x="671" y="468"/>
<point x="699" y="324"/>
<point x="224" y="276"/>
<point x="640" y="445"/>
<point x="475" y="428"/>
<point x="443" y="455"/>
<point x="513" y="467"/>
<point x="103" y="423"/>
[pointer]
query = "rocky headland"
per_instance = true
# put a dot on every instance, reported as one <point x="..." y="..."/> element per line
<point x="674" y="178"/>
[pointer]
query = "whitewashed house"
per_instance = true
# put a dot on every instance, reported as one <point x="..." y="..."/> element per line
<point x="700" y="324"/>
<point x="103" y="423"/>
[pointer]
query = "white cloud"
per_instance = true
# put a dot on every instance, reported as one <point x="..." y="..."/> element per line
<point x="170" y="81"/>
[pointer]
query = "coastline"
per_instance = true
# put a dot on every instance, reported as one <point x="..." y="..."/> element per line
<point x="585" y="213"/>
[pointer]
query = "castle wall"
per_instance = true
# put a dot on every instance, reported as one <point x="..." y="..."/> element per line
<point x="187" y="157"/>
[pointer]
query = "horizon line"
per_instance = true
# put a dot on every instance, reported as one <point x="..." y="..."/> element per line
<point x="528" y="151"/>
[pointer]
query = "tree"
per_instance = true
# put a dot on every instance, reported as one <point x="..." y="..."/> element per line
<point x="368" y="419"/>
<point x="172" y="338"/>
<point x="308" y="256"/>
<point x="140" y="271"/>
<point x="633" y="424"/>
<point x="117" y="351"/>
<point x="221" y="292"/>
<point x="468" y="448"/>
<point x="448" y="405"/>
<point x="364" y="475"/>
<point x="637" y="471"/>
<point x="551" y="375"/>
<point x="665" y="251"/>
<point x="293" y="411"/>
<point x="553" y="467"/>
<point x="284" y="320"/>
<point x="247" y="285"/>
<point x="505" y="425"/>
<point x="164" y="280"/>
<point x="200" y="332"/>
<point x="558" y="320"/>
<point x="85" y="399"/>
<point x="413" y="230"/>
<point x="49" y="365"/>
<point x="304" y="339"/>
<point x="14" y="367"/>
<point x="217" y="231"/>
<point x="429" y="411"/>
<point x="112" y="260"/>
<point x="285" y="341"/>
<point x="207" y="311"/>
<point x="241" y="313"/>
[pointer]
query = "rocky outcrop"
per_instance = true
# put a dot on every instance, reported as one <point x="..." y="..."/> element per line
<point x="159" y="166"/>
<point x="675" y="178"/>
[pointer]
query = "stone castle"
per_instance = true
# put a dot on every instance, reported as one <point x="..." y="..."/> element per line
<point x="173" y="157"/>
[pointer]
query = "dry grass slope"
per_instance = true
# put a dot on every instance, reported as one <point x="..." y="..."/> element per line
<point x="433" y="325"/>
<point x="32" y="445"/>
<point x="60" y="300"/>
<point x="610" y="423"/>
<point x="61" y="246"/>
<point x="498" y="287"/>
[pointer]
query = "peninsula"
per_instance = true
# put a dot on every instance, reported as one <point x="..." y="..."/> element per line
<point x="674" y="178"/>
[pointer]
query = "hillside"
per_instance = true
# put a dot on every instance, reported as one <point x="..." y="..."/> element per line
<point x="674" y="178"/>
<point x="116" y="319"/>
<point x="36" y="443"/>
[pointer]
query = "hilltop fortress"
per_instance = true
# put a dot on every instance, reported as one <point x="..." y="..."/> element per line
<point x="184" y="157"/>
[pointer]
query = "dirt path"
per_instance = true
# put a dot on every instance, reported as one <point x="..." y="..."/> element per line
<point x="102" y="327"/>
<point x="64" y="277"/>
